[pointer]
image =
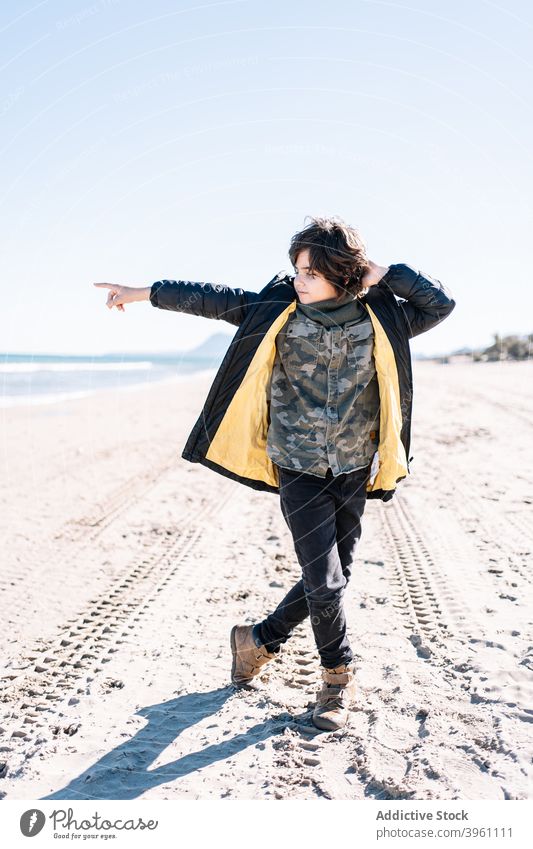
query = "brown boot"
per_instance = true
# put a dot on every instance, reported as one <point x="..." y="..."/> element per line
<point x="248" y="658"/>
<point x="335" y="697"/>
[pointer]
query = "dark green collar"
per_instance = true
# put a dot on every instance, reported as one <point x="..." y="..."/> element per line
<point x="332" y="312"/>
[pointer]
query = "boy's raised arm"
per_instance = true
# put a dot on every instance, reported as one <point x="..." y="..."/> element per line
<point x="427" y="301"/>
<point x="210" y="300"/>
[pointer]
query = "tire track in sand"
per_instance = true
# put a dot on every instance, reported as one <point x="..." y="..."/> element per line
<point x="35" y="686"/>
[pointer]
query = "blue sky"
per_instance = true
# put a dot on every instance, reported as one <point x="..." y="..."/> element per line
<point x="182" y="140"/>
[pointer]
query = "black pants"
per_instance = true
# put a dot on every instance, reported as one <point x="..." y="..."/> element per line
<point x="324" y="517"/>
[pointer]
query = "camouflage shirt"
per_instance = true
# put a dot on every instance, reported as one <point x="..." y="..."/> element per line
<point x="324" y="396"/>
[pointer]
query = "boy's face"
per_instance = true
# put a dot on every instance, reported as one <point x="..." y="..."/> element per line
<point x="311" y="287"/>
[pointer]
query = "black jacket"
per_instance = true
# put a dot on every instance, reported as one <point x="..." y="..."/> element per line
<point x="230" y="434"/>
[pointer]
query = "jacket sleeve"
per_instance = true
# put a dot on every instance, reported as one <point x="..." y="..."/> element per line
<point x="210" y="300"/>
<point x="426" y="302"/>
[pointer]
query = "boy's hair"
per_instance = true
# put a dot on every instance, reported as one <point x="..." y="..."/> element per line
<point x="336" y="250"/>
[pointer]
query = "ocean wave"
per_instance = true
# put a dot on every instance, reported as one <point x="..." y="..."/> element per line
<point x="33" y="400"/>
<point x="54" y="397"/>
<point x="18" y="368"/>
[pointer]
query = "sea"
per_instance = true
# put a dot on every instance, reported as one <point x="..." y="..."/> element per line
<point x="48" y="378"/>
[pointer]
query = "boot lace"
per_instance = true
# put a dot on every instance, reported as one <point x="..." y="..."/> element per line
<point x="334" y="695"/>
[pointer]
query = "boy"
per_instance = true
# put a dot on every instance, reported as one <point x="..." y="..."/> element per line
<point x="312" y="401"/>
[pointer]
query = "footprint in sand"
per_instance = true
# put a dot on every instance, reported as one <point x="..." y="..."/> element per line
<point x="304" y="661"/>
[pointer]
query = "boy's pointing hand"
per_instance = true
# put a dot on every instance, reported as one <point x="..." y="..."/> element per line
<point x="114" y="296"/>
<point x="120" y="295"/>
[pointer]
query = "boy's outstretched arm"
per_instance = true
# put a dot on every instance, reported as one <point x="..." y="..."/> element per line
<point x="427" y="301"/>
<point x="210" y="300"/>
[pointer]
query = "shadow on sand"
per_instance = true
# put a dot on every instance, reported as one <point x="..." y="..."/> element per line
<point x="123" y="773"/>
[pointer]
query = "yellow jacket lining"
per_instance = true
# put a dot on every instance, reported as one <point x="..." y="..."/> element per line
<point x="239" y="444"/>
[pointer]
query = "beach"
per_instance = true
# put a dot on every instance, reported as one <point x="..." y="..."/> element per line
<point x="125" y="567"/>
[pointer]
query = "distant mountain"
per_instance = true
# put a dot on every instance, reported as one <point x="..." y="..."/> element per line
<point x="214" y="346"/>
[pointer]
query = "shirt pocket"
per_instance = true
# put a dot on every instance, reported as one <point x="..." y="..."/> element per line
<point x="359" y="340"/>
<point x="301" y="345"/>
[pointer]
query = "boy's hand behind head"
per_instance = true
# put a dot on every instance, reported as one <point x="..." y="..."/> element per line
<point x="374" y="274"/>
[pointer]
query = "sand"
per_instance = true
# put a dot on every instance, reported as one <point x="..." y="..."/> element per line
<point x="126" y="566"/>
